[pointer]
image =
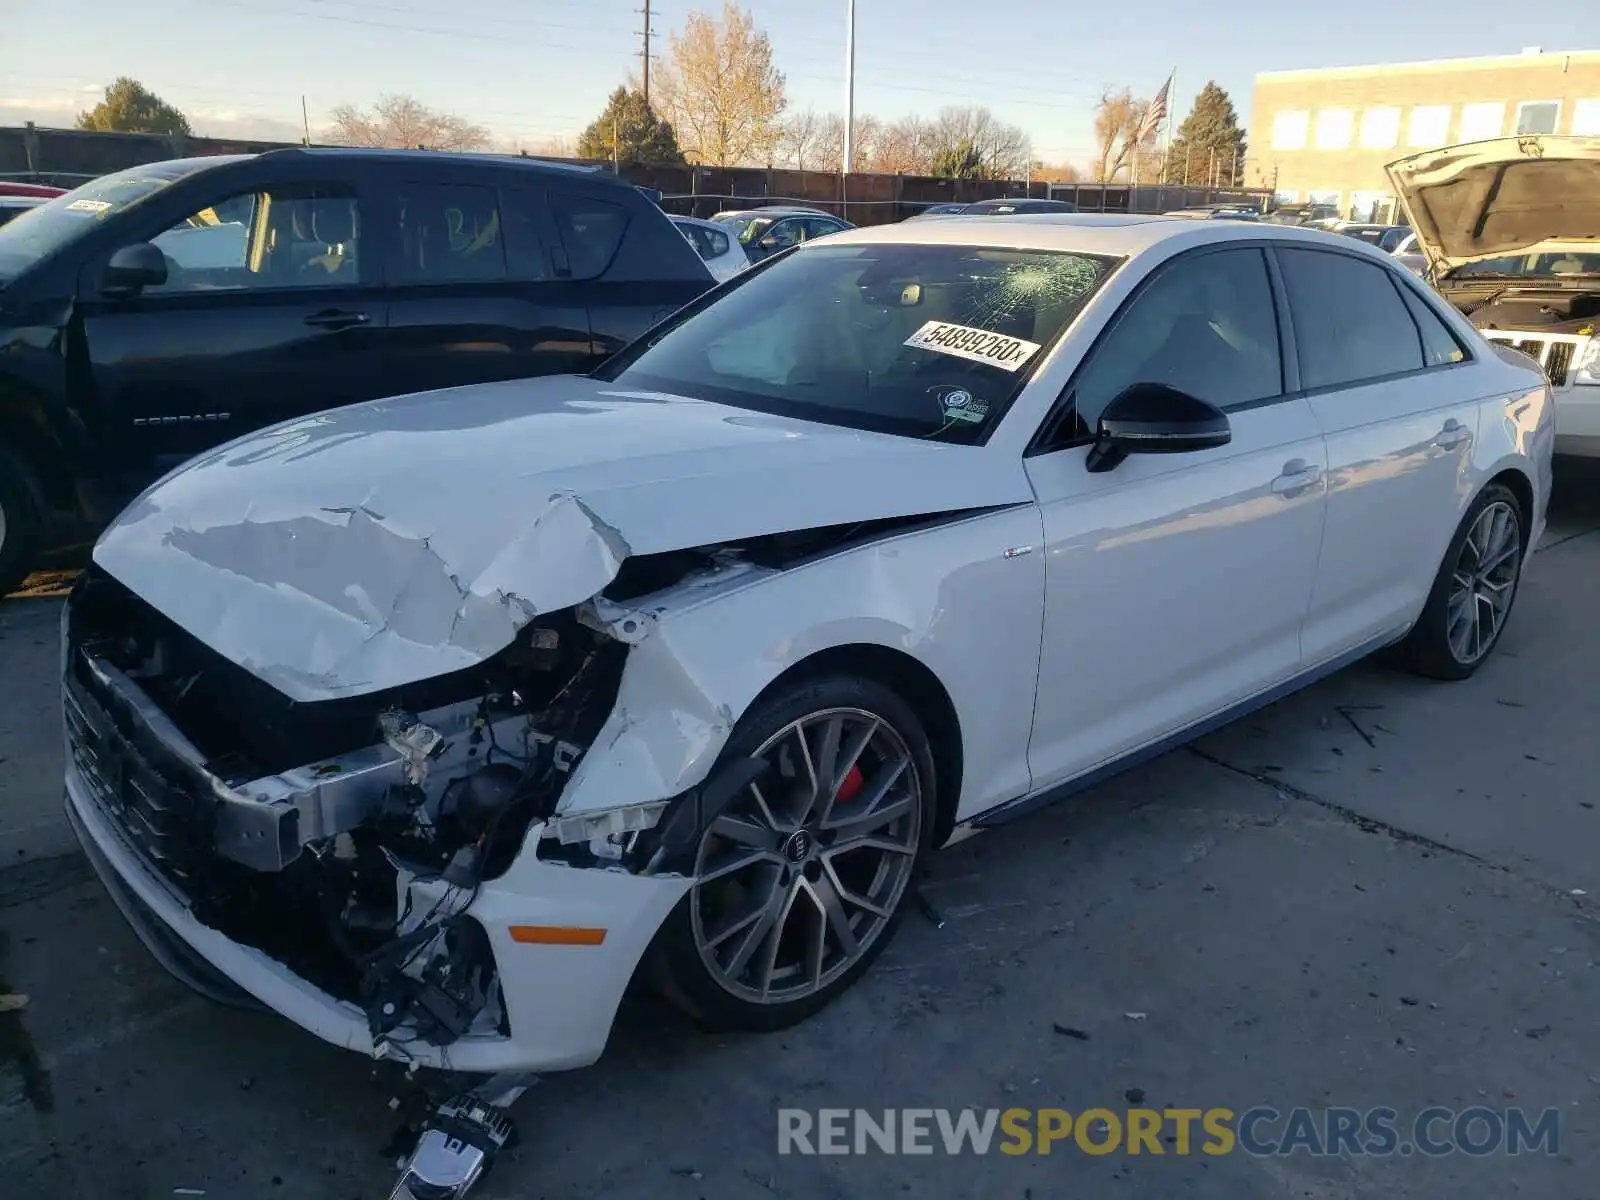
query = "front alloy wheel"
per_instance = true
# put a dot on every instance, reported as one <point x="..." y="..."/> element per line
<point x="801" y="879"/>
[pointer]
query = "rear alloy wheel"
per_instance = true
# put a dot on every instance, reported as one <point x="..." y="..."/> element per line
<point x="802" y="879"/>
<point x="21" y="519"/>
<point x="1473" y="593"/>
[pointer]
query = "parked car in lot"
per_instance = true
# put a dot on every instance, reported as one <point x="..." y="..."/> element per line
<point x="1384" y="237"/>
<point x="715" y="243"/>
<point x="1409" y="256"/>
<point x="12" y="207"/>
<point x="453" y="713"/>
<point x="1511" y="231"/>
<point x="33" y="191"/>
<point x="937" y="210"/>
<point x="154" y="313"/>
<point x="765" y="231"/>
<point x="1018" y="207"/>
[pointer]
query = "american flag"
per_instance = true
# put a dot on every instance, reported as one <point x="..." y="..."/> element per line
<point x="1154" y="115"/>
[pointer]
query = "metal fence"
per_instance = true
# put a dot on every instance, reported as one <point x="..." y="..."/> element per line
<point x="68" y="157"/>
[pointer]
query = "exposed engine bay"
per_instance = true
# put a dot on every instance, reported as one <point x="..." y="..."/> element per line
<point x="1546" y="309"/>
<point x="347" y="838"/>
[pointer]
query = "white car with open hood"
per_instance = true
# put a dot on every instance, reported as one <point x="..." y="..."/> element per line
<point x="429" y="722"/>
<point x="1510" y="229"/>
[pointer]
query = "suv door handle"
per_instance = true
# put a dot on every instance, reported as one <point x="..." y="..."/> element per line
<point x="1297" y="476"/>
<point x="1452" y="435"/>
<point x="337" y="318"/>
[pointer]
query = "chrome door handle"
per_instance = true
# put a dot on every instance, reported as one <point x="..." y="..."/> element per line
<point x="1452" y="435"/>
<point x="1298" y="475"/>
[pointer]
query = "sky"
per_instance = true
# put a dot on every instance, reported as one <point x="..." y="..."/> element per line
<point x="530" y="70"/>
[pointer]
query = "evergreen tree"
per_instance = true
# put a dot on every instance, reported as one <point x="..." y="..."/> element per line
<point x="630" y="131"/>
<point x="1209" y="145"/>
<point x="130" y="107"/>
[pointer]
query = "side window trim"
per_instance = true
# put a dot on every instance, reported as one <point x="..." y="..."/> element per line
<point x="1042" y="441"/>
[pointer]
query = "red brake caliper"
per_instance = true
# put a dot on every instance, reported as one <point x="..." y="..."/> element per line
<point x="854" y="781"/>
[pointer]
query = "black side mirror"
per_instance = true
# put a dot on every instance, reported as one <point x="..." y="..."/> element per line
<point x="1152" y="418"/>
<point x="134" y="267"/>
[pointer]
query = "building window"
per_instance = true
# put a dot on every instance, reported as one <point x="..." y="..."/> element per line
<point x="1323" y="198"/>
<point x="1289" y="130"/>
<point x="1480" y="122"/>
<point x="1333" y="128"/>
<point x="1586" y="117"/>
<point x="1538" y="116"/>
<point x="1371" y="206"/>
<point x="1380" y="128"/>
<point x="1286" y="196"/>
<point x="1430" y="126"/>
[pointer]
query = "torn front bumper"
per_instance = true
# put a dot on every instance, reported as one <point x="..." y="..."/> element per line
<point x="560" y="1000"/>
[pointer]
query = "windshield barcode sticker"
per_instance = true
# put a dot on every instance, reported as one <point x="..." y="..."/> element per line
<point x="978" y="345"/>
<point x="94" y="206"/>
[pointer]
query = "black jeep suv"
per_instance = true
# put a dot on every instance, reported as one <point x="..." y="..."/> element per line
<point x="159" y="311"/>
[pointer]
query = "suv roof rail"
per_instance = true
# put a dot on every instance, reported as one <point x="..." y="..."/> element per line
<point x="526" y="160"/>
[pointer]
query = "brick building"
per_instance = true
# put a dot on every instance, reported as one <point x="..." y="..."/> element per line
<point x="1323" y="136"/>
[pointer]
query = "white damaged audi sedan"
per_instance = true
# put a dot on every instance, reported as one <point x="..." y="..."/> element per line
<point x="431" y="723"/>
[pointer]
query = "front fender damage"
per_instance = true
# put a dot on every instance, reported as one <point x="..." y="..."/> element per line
<point x="398" y="834"/>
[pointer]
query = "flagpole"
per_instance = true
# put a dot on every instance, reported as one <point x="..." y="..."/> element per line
<point x="1172" y="98"/>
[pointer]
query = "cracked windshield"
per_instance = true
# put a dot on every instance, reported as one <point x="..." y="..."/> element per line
<point x="924" y="340"/>
<point x="720" y="599"/>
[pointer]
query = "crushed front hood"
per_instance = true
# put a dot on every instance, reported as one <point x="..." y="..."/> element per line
<point x="376" y="545"/>
<point x="1518" y="195"/>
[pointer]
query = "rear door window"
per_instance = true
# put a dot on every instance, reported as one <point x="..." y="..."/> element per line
<point x="447" y="233"/>
<point x="591" y="230"/>
<point x="1350" y="324"/>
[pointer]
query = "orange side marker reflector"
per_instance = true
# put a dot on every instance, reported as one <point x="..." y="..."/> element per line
<point x="557" y="935"/>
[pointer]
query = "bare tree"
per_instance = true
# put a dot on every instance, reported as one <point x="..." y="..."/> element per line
<point x="901" y="147"/>
<point x="721" y="91"/>
<point x="797" y="139"/>
<point x="868" y="130"/>
<point x="400" y="122"/>
<point x="1000" y="151"/>
<point x="1063" y="172"/>
<point x="555" y="145"/>
<point x="829" y="152"/>
<point x="1117" y="121"/>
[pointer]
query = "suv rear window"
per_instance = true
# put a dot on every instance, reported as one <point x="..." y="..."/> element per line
<point x="591" y="230"/>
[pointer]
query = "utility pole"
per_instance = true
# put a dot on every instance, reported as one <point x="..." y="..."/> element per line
<point x="646" y="55"/>
<point x="850" y="88"/>
<point x="305" y="121"/>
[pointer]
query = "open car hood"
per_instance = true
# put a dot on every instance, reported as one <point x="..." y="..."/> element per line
<point x="394" y="541"/>
<point x="1517" y="195"/>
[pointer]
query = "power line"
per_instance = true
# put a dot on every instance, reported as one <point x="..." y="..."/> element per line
<point x="432" y="31"/>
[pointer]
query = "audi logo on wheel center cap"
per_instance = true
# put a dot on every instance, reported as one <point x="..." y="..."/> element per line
<point x="798" y="846"/>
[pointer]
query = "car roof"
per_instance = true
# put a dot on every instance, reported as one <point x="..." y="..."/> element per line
<point x="1117" y="234"/>
<point x="682" y="220"/>
<point x="776" y="210"/>
<point x="415" y="156"/>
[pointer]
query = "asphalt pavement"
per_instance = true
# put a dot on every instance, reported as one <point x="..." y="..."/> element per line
<point x="1378" y="893"/>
